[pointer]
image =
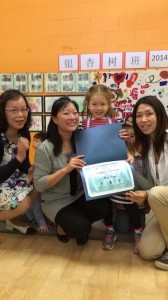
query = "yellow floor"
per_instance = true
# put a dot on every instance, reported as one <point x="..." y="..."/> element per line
<point x="42" y="268"/>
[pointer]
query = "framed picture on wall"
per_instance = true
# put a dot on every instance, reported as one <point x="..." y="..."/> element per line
<point x="35" y="103"/>
<point x="79" y="100"/>
<point x="48" y="102"/>
<point x="46" y="122"/>
<point x="52" y="82"/>
<point x="68" y="82"/>
<point x="83" y="81"/>
<point x="6" y="82"/>
<point x="35" y="83"/>
<point x="20" y="82"/>
<point x="37" y="123"/>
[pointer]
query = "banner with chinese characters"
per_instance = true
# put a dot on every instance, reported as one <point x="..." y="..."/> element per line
<point x="114" y="61"/>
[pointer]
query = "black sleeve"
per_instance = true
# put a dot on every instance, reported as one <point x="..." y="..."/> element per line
<point x="7" y="170"/>
<point x="26" y="163"/>
<point x="24" y="166"/>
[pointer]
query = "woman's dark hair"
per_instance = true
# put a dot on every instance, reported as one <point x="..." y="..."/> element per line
<point x="12" y="95"/>
<point x="142" y="140"/>
<point x="52" y="131"/>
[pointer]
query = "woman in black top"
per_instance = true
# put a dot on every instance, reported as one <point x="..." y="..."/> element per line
<point x="16" y="189"/>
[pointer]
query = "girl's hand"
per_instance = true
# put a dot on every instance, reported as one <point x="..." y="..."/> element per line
<point x="123" y="133"/>
<point x="139" y="196"/>
<point x="44" y="228"/>
<point x="130" y="159"/>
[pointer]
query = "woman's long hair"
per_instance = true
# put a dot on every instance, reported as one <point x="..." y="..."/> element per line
<point x="52" y="131"/>
<point x="142" y="140"/>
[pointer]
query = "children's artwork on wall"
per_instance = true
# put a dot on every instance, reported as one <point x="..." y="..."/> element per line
<point x="20" y="82"/>
<point x="128" y="86"/>
<point x="48" y="102"/>
<point x="37" y="123"/>
<point x="6" y="82"/>
<point x="83" y="81"/>
<point x="52" y="82"/>
<point x="35" y="103"/>
<point x="47" y="120"/>
<point x="79" y="100"/>
<point x="68" y="82"/>
<point x="35" y="83"/>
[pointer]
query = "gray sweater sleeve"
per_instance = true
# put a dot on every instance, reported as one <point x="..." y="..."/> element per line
<point x="42" y="168"/>
<point x="142" y="182"/>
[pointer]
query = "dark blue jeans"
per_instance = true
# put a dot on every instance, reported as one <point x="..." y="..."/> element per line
<point x="122" y="222"/>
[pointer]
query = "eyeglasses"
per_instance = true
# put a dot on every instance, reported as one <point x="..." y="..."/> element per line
<point x="16" y="111"/>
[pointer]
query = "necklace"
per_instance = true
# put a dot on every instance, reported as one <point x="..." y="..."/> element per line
<point x="13" y="139"/>
<point x="69" y="154"/>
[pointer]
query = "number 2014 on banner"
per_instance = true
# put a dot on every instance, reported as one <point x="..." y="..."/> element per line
<point x="158" y="58"/>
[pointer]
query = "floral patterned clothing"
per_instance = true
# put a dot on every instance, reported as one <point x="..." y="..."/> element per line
<point x="15" y="188"/>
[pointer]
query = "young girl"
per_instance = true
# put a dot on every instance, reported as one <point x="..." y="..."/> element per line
<point x="98" y="111"/>
<point x="17" y="194"/>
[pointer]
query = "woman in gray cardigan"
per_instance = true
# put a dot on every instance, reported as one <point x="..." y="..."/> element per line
<point x="57" y="179"/>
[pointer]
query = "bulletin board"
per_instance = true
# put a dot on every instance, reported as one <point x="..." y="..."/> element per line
<point x="128" y="86"/>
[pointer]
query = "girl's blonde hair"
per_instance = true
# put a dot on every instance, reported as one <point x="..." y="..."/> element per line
<point x="93" y="90"/>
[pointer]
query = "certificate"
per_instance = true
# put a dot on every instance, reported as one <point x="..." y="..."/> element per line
<point x="104" y="179"/>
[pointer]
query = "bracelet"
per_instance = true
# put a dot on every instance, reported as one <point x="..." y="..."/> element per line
<point x="146" y="196"/>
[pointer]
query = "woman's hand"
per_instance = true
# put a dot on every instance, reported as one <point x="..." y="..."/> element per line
<point x="22" y="147"/>
<point x="123" y="133"/>
<point x="138" y="196"/>
<point x="76" y="162"/>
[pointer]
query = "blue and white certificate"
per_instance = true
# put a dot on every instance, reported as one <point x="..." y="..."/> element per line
<point x="104" y="179"/>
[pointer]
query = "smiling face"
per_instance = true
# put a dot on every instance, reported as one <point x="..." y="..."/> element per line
<point x="98" y="106"/>
<point x="16" y="121"/>
<point x="67" y="119"/>
<point x="146" y="119"/>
